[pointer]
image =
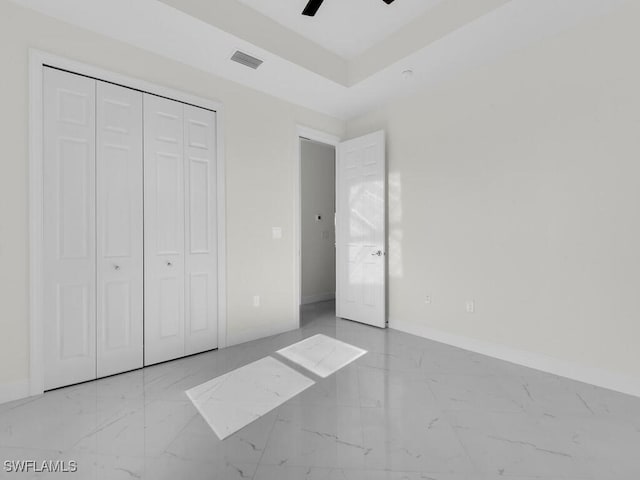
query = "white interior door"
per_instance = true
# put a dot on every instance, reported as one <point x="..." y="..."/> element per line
<point x="361" y="230"/>
<point x="119" y="229"/>
<point x="164" y="225"/>
<point x="201" y="300"/>
<point x="69" y="229"/>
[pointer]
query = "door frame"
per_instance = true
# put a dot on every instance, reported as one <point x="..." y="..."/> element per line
<point x="327" y="139"/>
<point x="37" y="61"/>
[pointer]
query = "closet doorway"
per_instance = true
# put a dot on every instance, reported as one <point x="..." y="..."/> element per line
<point x="127" y="224"/>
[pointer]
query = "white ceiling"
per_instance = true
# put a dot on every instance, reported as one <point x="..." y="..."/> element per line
<point x="156" y="27"/>
<point x="345" y="27"/>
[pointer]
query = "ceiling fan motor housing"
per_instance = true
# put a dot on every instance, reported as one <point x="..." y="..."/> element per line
<point x="313" y="5"/>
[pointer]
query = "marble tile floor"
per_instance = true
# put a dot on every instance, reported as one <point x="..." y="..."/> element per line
<point x="321" y="355"/>
<point x="409" y="409"/>
<point x="232" y="401"/>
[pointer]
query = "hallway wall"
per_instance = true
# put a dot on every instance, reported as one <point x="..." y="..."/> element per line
<point x="318" y="236"/>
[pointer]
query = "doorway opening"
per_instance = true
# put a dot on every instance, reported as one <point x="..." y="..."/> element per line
<point x="349" y="233"/>
<point x="317" y="227"/>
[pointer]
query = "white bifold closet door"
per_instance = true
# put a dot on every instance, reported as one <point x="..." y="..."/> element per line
<point x="69" y="294"/>
<point x="180" y="230"/>
<point x="201" y="230"/>
<point x="164" y="229"/>
<point x="130" y="229"/>
<point x="93" y="236"/>
<point x="119" y="229"/>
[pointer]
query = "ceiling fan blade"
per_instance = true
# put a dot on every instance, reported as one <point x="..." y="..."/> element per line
<point x="313" y="6"/>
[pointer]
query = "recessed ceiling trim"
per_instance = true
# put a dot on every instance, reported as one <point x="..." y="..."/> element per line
<point x="155" y="27"/>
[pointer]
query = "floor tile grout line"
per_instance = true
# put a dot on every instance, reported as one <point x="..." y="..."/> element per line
<point x="477" y="469"/>
<point x="277" y="355"/>
<point x="364" y="463"/>
<point x="175" y="438"/>
<point x="273" y="426"/>
<point x="298" y="368"/>
<point x="266" y="443"/>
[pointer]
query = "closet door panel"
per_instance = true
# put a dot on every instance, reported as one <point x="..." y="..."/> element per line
<point x="69" y="228"/>
<point x="201" y="230"/>
<point x="119" y="229"/>
<point x="164" y="225"/>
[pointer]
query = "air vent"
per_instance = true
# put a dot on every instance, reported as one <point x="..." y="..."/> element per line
<point x="246" y="59"/>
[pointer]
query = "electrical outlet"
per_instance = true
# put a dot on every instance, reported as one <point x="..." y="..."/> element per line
<point x="471" y="306"/>
<point x="256" y="300"/>
<point x="427" y="300"/>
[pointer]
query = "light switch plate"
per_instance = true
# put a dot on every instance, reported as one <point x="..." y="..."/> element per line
<point x="276" y="233"/>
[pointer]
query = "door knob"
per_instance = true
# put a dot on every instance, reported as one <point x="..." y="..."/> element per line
<point x="169" y="264"/>
<point x="378" y="253"/>
<point x="116" y="267"/>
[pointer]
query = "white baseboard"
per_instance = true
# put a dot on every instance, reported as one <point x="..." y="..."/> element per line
<point x="14" y="390"/>
<point x="318" y="297"/>
<point x="594" y="376"/>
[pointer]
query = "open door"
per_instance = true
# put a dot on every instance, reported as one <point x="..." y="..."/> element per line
<point x="361" y="230"/>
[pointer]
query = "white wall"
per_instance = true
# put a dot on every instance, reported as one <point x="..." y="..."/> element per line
<point x="518" y="186"/>
<point x="260" y="141"/>
<point x="318" y="197"/>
